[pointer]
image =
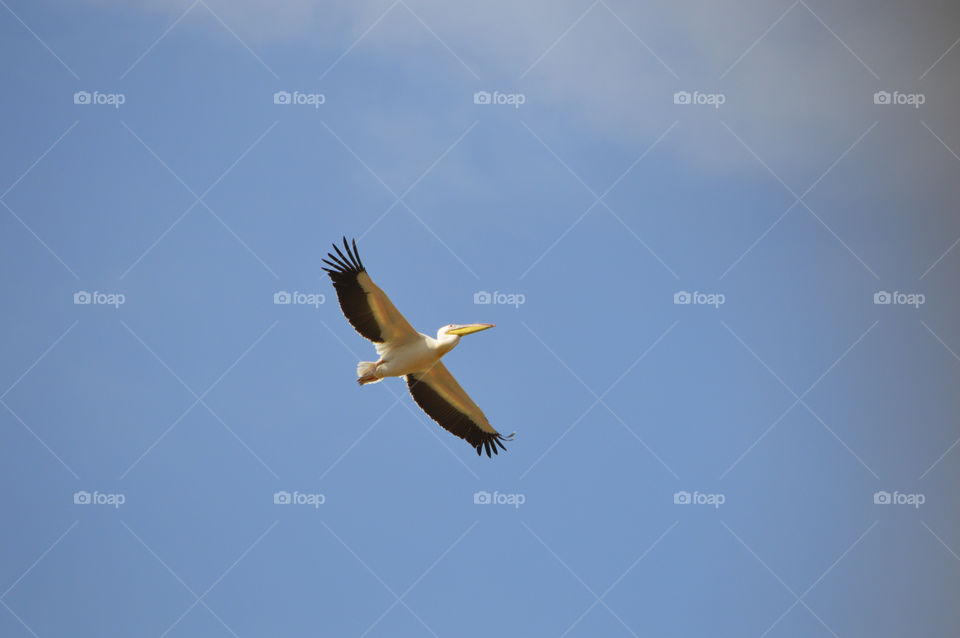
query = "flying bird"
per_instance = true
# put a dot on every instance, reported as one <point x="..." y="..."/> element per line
<point x="406" y="353"/>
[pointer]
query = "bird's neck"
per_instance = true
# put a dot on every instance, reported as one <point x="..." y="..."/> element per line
<point x="444" y="344"/>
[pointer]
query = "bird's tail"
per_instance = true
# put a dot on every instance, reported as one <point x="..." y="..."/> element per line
<point x="366" y="373"/>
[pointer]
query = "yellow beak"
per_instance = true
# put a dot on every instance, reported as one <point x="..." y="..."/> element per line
<point x="469" y="328"/>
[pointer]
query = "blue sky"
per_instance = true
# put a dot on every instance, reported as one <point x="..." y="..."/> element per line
<point x="784" y="400"/>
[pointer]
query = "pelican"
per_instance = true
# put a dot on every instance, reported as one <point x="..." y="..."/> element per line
<point x="404" y="352"/>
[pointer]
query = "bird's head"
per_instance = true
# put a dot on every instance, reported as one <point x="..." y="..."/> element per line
<point x="452" y="332"/>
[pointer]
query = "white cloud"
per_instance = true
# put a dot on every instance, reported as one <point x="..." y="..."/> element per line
<point x="798" y="98"/>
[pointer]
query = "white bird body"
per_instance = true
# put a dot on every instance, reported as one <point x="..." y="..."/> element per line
<point x="414" y="354"/>
<point x="404" y="352"/>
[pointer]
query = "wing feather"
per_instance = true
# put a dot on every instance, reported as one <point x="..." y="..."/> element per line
<point x="442" y="398"/>
<point x="366" y="307"/>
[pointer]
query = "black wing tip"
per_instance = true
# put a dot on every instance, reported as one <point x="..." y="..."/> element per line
<point x="341" y="264"/>
<point x="353" y="254"/>
<point x="491" y="442"/>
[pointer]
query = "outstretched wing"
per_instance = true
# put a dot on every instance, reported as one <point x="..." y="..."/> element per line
<point x="442" y="398"/>
<point x="366" y="307"/>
